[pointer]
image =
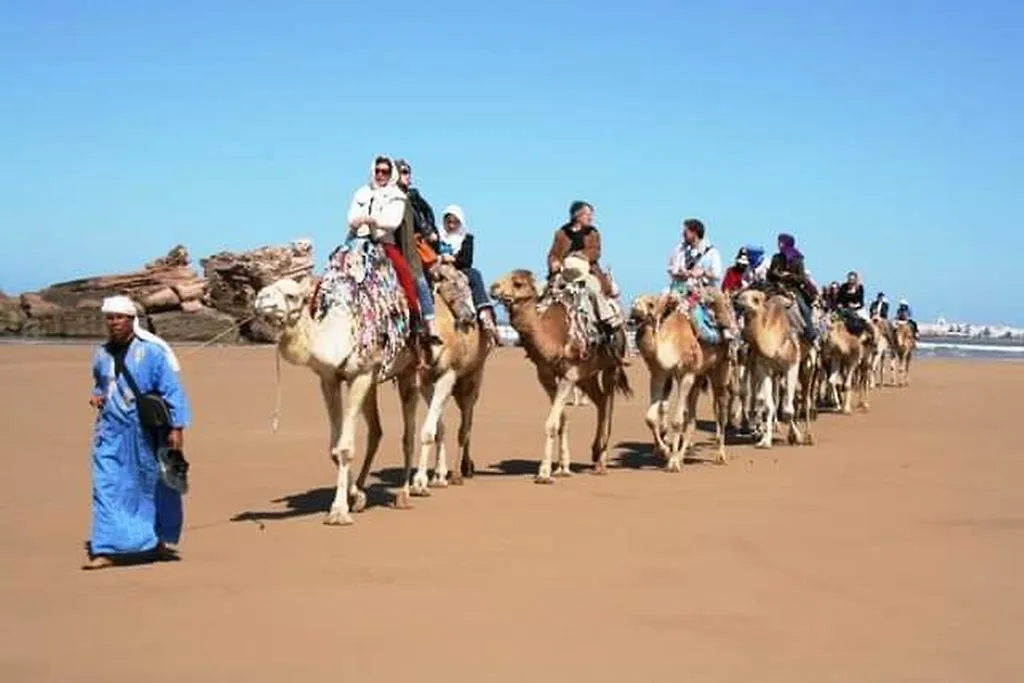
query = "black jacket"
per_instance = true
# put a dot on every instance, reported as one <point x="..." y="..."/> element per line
<point x="851" y="297"/>
<point x="423" y="215"/>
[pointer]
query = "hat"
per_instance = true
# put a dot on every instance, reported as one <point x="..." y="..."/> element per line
<point x="173" y="469"/>
<point x="403" y="165"/>
<point x="119" y="305"/>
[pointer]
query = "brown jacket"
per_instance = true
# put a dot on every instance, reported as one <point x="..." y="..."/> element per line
<point x="405" y="237"/>
<point x="562" y="247"/>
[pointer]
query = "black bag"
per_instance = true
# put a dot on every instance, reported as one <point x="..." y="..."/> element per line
<point x="154" y="412"/>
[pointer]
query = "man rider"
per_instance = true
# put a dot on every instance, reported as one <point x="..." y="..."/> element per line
<point x="879" y="307"/>
<point x="903" y="313"/>
<point x="579" y="239"/>
<point x="696" y="266"/>
<point x="787" y="272"/>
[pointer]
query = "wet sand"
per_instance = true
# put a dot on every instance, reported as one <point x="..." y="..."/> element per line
<point x="890" y="551"/>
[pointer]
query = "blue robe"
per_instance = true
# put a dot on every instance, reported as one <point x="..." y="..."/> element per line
<point x="132" y="509"/>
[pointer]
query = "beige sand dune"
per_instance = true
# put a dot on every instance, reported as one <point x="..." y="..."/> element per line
<point x="889" y="551"/>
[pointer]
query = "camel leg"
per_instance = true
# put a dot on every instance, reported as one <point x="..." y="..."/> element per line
<point x="437" y="395"/>
<point x="371" y="415"/>
<point x="552" y="427"/>
<point x="564" y="467"/>
<point x="440" y="478"/>
<point x="330" y="387"/>
<point x="467" y="393"/>
<point x="408" y="396"/>
<point x="809" y="381"/>
<point x="720" y="395"/>
<point x="792" y="379"/>
<point x="604" y="403"/>
<point x="359" y="389"/>
<point x="766" y="399"/>
<point x="679" y="423"/>
<point x="655" y="417"/>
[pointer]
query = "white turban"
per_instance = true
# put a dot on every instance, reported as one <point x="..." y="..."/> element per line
<point x="122" y="305"/>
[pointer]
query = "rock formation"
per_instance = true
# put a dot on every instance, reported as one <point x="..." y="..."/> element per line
<point x="178" y="303"/>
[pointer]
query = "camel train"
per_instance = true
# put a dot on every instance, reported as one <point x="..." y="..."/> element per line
<point x="351" y="329"/>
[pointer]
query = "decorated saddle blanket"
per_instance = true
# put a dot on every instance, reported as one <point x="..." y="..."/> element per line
<point x="360" y="279"/>
<point x="584" y="330"/>
<point x="697" y="305"/>
<point x="452" y="285"/>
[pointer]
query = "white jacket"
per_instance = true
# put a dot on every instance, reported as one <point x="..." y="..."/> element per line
<point x="385" y="203"/>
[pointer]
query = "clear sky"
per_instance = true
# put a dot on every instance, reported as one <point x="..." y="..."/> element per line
<point x="887" y="136"/>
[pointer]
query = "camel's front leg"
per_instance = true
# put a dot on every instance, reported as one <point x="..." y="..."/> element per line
<point x="792" y="379"/>
<point x="359" y="389"/>
<point x="437" y="395"/>
<point x="765" y="383"/>
<point x="656" y="408"/>
<point x="603" y="431"/>
<point x="720" y="395"/>
<point x="330" y="387"/>
<point x="552" y="427"/>
<point x="371" y="415"/>
<point x="677" y="428"/>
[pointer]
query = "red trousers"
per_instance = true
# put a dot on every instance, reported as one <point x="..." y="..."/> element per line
<point x="405" y="277"/>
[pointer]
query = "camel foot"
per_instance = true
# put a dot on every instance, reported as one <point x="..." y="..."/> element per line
<point x="358" y="501"/>
<point x="338" y="518"/>
<point x="456" y="480"/>
<point x="600" y="469"/>
<point x="763" y="444"/>
<point x="562" y="471"/>
<point x="439" y="482"/>
<point x="808" y="439"/>
<point x="419" y="490"/>
<point x="402" y="501"/>
<point x="543" y="479"/>
<point x="468" y="468"/>
<point x="721" y="459"/>
<point x="674" y="464"/>
<point x="792" y="438"/>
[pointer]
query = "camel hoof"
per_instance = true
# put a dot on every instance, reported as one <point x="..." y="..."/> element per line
<point x="600" y="470"/>
<point x="358" y="502"/>
<point x="540" y="479"/>
<point x="721" y="460"/>
<point x="456" y="480"/>
<point x="420" y="491"/>
<point x="792" y="439"/>
<point x="338" y="518"/>
<point x="563" y="473"/>
<point x="763" y="445"/>
<point x="468" y="468"/>
<point x="439" y="483"/>
<point x="808" y="440"/>
<point x="401" y="501"/>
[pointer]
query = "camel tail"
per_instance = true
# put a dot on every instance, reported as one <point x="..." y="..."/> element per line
<point x="622" y="382"/>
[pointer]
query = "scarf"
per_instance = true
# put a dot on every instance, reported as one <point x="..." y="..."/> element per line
<point x="788" y="248"/>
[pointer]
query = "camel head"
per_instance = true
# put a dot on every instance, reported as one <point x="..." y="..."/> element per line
<point x="750" y="300"/>
<point x="643" y="310"/>
<point x="283" y="302"/>
<point x="513" y="288"/>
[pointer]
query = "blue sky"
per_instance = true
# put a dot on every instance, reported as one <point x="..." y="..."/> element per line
<point x="886" y="136"/>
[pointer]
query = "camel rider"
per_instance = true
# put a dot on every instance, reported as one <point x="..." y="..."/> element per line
<point x="455" y="246"/>
<point x="786" y="271"/>
<point x="577" y="248"/>
<point x="378" y="211"/>
<point x="851" y="305"/>
<point x="879" y="307"/>
<point x="735" y="279"/>
<point x="695" y="267"/>
<point x="903" y="314"/>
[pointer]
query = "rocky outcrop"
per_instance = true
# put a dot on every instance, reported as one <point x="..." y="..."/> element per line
<point x="178" y="303"/>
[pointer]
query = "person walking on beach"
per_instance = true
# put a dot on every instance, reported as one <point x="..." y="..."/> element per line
<point x="138" y="437"/>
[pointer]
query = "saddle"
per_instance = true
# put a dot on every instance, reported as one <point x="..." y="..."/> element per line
<point x="452" y="285"/>
<point x="361" y="280"/>
<point x="691" y="304"/>
<point x="585" y="330"/>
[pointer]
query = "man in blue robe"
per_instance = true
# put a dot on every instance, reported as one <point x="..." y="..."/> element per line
<point x="134" y="513"/>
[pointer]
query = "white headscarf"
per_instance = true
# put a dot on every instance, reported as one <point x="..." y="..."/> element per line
<point x="122" y="305"/>
<point x="454" y="238"/>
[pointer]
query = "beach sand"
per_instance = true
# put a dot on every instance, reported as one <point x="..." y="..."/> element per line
<point x="890" y="551"/>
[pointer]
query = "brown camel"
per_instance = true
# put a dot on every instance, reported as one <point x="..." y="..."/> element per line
<point x="779" y="354"/>
<point x="667" y="340"/>
<point x="904" y="351"/>
<point x="847" y="360"/>
<point x="883" y="352"/>
<point x="544" y="327"/>
<point x="457" y="372"/>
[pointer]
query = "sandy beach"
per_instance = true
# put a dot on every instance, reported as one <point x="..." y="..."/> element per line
<point x="890" y="551"/>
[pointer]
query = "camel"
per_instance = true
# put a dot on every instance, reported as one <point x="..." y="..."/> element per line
<point x="847" y="359"/>
<point x="883" y="353"/>
<point x="669" y="345"/>
<point x="903" y="351"/>
<point x="328" y="348"/>
<point x="456" y="372"/>
<point x="560" y="366"/>
<point x="778" y="353"/>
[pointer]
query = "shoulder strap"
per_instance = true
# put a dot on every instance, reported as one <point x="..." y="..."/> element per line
<point x="121" y="368"/>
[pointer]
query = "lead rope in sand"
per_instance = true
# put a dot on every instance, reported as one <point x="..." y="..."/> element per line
<point x="275" y="419"/>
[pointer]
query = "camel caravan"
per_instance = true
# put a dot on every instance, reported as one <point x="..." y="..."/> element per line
<point x="401" y="302"/>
